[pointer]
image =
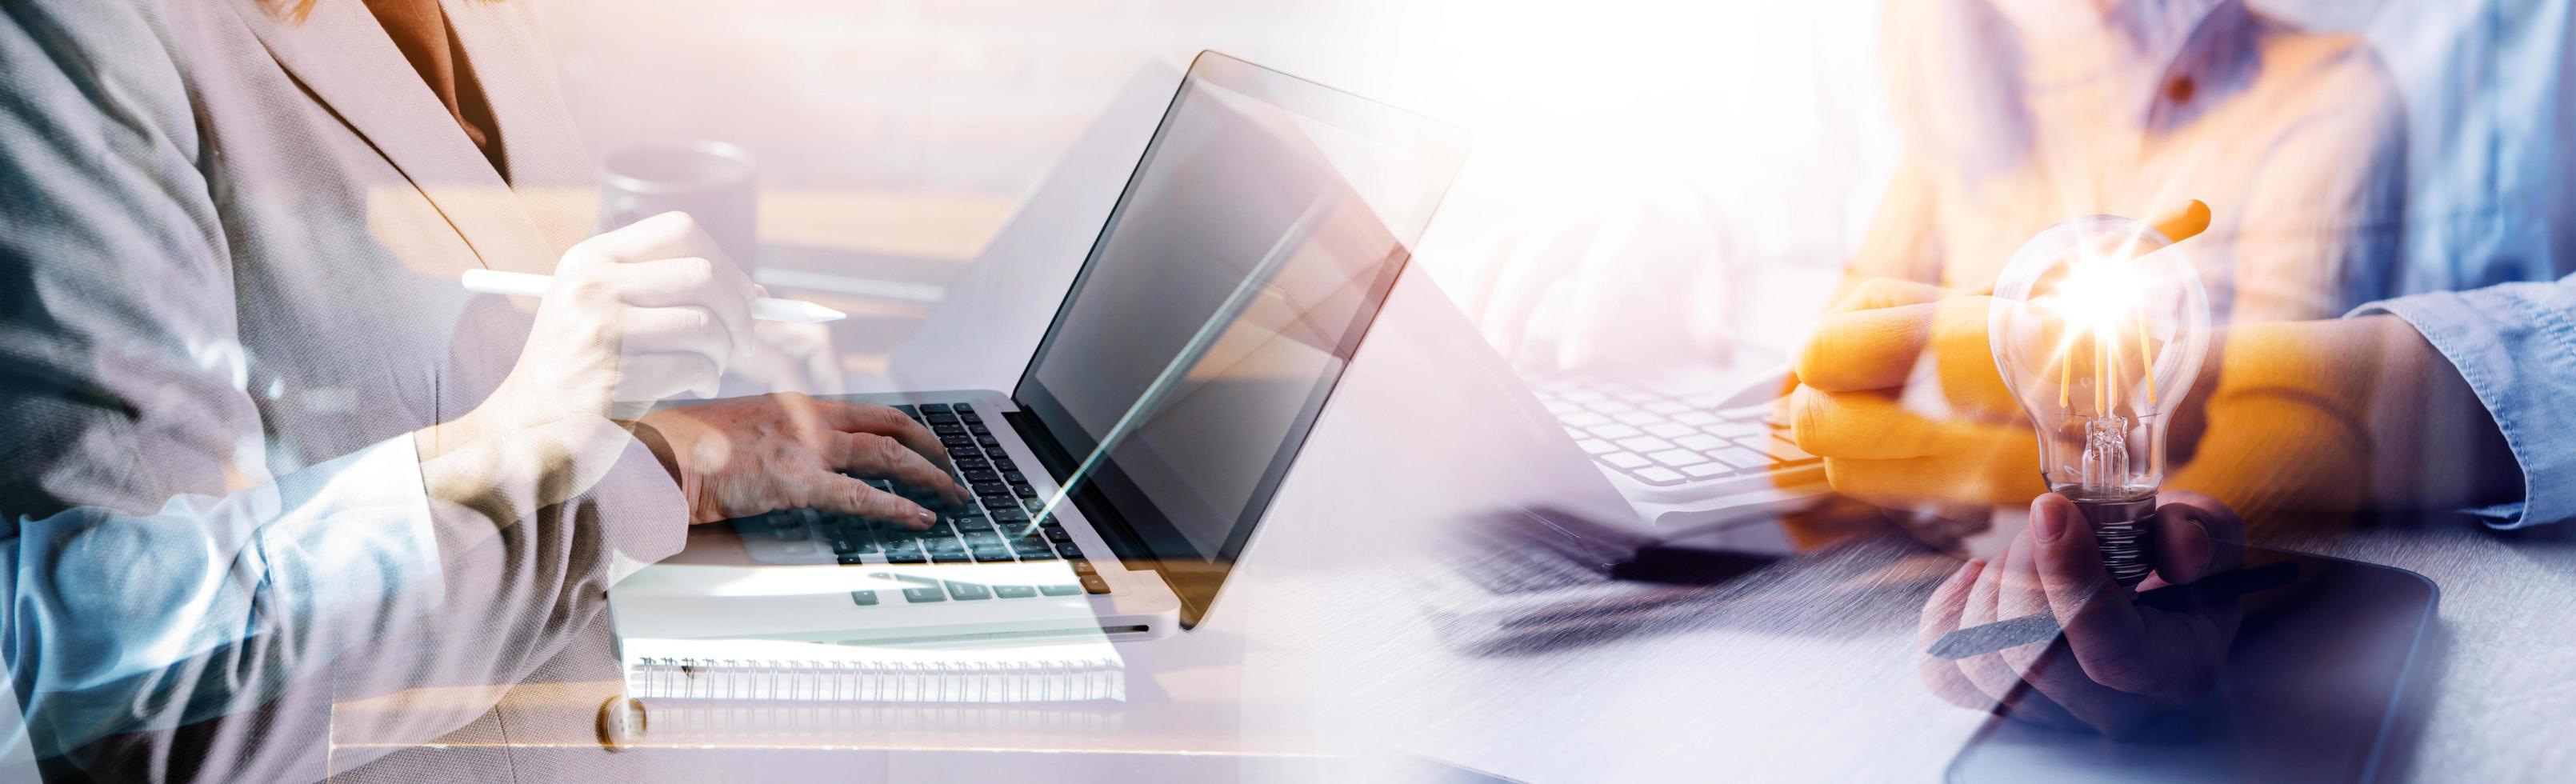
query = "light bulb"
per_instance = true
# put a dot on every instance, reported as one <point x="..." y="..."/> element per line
<point x="2099" y="328"/>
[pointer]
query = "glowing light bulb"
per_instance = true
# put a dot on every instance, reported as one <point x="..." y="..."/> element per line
<point x="2099" y="327"/>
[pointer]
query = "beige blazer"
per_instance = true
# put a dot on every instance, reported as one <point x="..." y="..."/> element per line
<point x="231" y="253"/>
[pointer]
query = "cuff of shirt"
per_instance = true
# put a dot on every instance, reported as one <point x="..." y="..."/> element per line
<point x="647" y="519"/>
<point x="2516" y="347"/>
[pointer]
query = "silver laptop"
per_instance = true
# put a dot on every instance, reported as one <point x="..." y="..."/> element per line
<point x="1691" y="447"/>
<point x="1117" y="482"/>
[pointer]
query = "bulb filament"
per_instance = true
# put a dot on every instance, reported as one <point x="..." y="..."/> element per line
<point x="2146" y="359"/>
<point x="2105" y="470"/>
<point x="2093" y="305"/>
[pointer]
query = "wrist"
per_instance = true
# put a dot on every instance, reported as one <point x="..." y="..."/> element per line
<point x="459" y="468"/>
<point x="656" y="442"/>
<point x="506" y="462"/>
<point x="668" y="439"/>
<point x="437" y="441"/>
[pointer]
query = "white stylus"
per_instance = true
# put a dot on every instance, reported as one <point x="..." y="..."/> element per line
<point x="1766" y="386"/>
<point x="521" y="284"/>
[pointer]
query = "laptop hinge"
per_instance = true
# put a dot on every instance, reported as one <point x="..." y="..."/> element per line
<point x="1112" y="527"/>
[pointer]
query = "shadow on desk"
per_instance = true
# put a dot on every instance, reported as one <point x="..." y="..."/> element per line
<point x="1870" y="586"/>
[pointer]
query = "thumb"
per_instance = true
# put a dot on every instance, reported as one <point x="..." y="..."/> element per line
<point x="2103" y="629"/>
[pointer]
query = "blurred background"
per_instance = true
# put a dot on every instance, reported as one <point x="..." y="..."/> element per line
<point x="911" y="128"/>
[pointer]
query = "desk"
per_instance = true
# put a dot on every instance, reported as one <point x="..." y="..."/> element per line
<point x="1826" y="690"/>
<point x="1318" y="649"/>
<point x="1313" y="654"/>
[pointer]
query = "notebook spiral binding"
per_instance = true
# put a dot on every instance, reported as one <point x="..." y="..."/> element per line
<point x="1011" y="680"/>
<point x="829" y="724"/>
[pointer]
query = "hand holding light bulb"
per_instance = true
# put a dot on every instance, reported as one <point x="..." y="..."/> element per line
<point x="2098" y="327"/>
<point x="2120" y="662"/>
<point x="2099" y="331"/>
<point x="1976" y="450"/>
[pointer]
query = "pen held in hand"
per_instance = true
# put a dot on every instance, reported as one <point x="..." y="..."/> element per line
<point x="521" y="284"/>
<point x="2042" y="627"/>
<point x="1764" y="387"/>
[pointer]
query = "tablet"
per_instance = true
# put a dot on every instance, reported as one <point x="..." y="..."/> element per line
<point x="2313" y="688"/>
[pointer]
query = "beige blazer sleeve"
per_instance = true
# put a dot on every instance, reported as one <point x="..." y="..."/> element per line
<point x="139" y="319"/>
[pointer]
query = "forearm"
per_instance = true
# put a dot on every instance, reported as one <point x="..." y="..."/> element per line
<point x="505" y="464"/>
<point x="245" y="594"/>
<point x="2341" y="416"/>
<point x="471" y="465"/>
<point x="518" y="598"/>
<point x="592" y="489"/>
<point x="267" y="617"/>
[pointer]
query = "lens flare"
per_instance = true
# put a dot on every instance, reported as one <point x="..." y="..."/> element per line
<point x="2069" y="310"/>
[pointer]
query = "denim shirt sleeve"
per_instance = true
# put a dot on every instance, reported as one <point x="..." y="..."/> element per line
<point x="2516" y="346"/>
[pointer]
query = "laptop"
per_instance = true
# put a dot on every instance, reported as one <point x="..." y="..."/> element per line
<point x="1117" y="482"/>
<point x="1691" y="447"/>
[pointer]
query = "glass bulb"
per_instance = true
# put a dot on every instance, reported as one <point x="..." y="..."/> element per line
<point x="2099" y="327"/>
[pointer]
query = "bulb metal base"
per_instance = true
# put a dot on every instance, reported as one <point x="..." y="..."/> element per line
<point x="2120" y="532"/>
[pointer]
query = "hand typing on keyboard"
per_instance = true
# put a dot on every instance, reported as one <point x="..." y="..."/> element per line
<point x="746" y="456"/>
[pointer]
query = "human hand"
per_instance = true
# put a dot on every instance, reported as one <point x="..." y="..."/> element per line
<point x="2119" y="663"/>
<point x="1899" y="393"/>
<point x="745" y="456"/>
<point x="638" y="314"/>
<point x="1960" y="439"/>
<point x="633" y="315"/>
<point x="1632" y="273"/>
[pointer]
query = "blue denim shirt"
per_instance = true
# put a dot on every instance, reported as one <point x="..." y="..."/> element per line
<point x="2487" y="204"/>
<point x="2515" y="344"/>
<point x="2488" y="100"/>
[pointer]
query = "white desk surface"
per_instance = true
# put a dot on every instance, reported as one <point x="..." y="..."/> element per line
<point x="1317" y="648"/>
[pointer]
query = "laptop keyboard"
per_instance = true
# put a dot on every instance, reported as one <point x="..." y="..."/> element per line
<point x="1667" y="438"/>
<point x="993" y="528"/>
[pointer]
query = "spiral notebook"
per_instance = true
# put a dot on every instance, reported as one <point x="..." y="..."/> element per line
<point x="707" y="723"/>
<point x="808" y="672"/>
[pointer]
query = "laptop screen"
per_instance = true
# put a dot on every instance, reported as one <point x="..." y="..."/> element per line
<point x="1222" y="300"/>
